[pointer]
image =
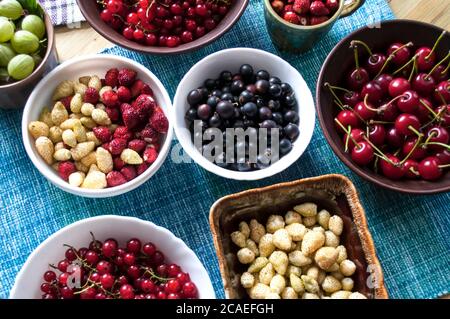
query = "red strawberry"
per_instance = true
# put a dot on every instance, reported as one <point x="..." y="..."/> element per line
<point x="142" y="168"/>
<point x="65" y="169"/>
<point x="110" y="99"/>
<point x="124" y="94"/>
<point x="144" y="104"/>
<point x="149" y="135"/>
<point x="102" y="133"/>
<point x="91" y="96"/>
<point x="332" y="5"/>
<point x="117" y="145"/>
<point x="137" y="145"/>
<point x="150" y="155"/>
<point x="129" y="172"/>
<point x="301" y="6"/>
<point x="291" y="17"/>
<point x="127" y="77"/>
<point x="318" y="8"/>
<point x="139" y="87"/>
<point x="131" y="118"/>
<point x="123" y="132"/>
<point x="158" y="121"/>
<point x="113" y="114"/>
<point x="111" y="78"/>
<point x="318" y="20"/>
<point x="278" y="6"/>
<point x="118" y="163"/>
<point x="66" y="102"/>
<point x="125" y="106"/>
<point x="115" y="179"/>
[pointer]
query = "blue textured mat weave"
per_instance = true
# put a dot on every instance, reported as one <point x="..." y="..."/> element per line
<point x="411" y="233"/>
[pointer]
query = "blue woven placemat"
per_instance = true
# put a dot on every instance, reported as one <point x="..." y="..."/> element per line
<point x="411" y="233"/>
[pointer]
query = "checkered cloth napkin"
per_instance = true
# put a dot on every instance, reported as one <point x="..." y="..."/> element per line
<point x="62" y="12"/>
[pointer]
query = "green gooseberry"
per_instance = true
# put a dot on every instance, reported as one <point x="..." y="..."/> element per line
<point x="6" y="30"/>
<point x="11" y="9"/>
<point x="4" y="75"/>
<point x="25" y="42"/>
<point x="21" y="66"/>
<point x="34" y="24"/>
<point x="6" y="54"/>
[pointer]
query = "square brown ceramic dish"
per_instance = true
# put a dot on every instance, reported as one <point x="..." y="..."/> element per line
<point x="335" y="193"/>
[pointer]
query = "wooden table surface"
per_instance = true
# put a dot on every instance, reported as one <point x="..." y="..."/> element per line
<point x="84" y="40"/>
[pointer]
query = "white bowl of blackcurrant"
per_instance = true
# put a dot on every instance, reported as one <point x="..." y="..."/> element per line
<point x="243" y="114"/>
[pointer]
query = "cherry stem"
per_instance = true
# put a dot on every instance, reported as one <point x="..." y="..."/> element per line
<point x="414" y="68"/>
<point x="355" y="53"/>
<point x="412" y="170"/>
<point x="428" y="108"/>
<point x="332" y="88"/>
<point x="380" y="153"/>
<point x="347" y="139"/>
<point x="412" y="150"/>
<point x="436" y="44"/>
<point x="379" y="122"/>
<point x="412" y="60"/>
<point x="337" y="88"/>
<point x="438" y="64"/>
<point x="429" y="137"/>
<point x="354" y="43"/>
<point x="446" y="69"/>
<point x="391" y="56"/>
<point x="438" y="115"/>
<point x="444" y="166"/>
<point x="438" y="144"/>
<point x="342" y="126"/>
<point x="367" y="105"/>
<point x="412" y="129"/>
<point x="441" y="97"/>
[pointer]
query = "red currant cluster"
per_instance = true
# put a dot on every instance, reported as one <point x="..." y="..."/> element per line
<point x="395" y="111"/>
<point x="105" y="271"/>
<point x="165" y="23"/>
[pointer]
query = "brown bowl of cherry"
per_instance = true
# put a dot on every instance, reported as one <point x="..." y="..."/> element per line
<point x="162" y="27"/>
<point x="383" y="102"/>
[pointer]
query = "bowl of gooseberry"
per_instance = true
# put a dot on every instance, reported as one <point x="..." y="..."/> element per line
<point x="27" y="50"/>
<point x="162" y="26"/>
<point x="113" y="257"/>
<point x="383" y="101"/>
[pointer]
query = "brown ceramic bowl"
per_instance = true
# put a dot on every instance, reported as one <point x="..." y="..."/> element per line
<point x="15" y="95"/>
<point x="335" y="193"/>
<point x="334" y="69"/>
<point x="91" y="12"/>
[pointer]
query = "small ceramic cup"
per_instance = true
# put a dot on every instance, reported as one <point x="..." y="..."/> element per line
<point x="298" y="38"/>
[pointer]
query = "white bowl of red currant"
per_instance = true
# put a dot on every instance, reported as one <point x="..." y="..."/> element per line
<point x="243" y="114"/>
<point x="113" y="257"/>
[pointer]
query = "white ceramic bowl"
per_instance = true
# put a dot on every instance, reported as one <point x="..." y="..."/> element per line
<point x="231" y="60"/>
<point x="29" y="279"/>
<point x="71" y="70"/>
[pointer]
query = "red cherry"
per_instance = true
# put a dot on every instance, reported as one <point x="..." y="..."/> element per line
<point x="173" y="286"/>
<point x="411" y="169"/>
<point x="357" y="135"/>
<point x="375" y="63"/>
<point x="351" y="98"/>
<point x="394" y="138"/>
<point x="437" y="134"/>
<point x="405" y="122"/>
<point x="425" y="59"/>
<point x="442" y="92"/>
<point x="402" y="55"/>
<point x="440" y="73"/>
<point x="362" y="154"/>
<point x="128" y="33"/>
<point x="389" y="111"/>
<point x="357" y="78"/>
<point x="429" y="168"/>
<point x="363" y="112"/>
<point x="418" y="153"/>
<point x="409" y="102"/>
<point x="422" y="113"/>
<point x="443" y="157"/>
<point x="348" y="118"/>
<point x="444" y="115"/>
<point x="106" y="15"/>
<point x="398" y="86"/>
<point x="383" y="81"/>
<point x="373" y="92"/>
<point x="377" y="134"/>
<point x="126" y="292"/>
<point x="391" y="171"/>
<point x="423" y="84"/>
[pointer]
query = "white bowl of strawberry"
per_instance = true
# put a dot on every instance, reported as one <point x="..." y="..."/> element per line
<point x="113" y="257"/>
<point x="97" y="126"/>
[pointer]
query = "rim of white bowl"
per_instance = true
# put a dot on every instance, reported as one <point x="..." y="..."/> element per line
<point x="106" y="192"/>
<point x="284" y="162"/>
<point x="208" y="294"/>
